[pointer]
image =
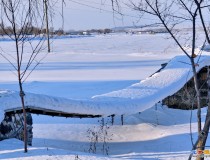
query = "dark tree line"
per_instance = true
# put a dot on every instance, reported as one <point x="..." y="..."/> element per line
<point x="30" y="30"/>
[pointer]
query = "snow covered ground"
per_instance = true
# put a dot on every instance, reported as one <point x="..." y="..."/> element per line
<point x="80" y="68"/>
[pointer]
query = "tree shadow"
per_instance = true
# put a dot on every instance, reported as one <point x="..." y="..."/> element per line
<point x="178" y="145"/>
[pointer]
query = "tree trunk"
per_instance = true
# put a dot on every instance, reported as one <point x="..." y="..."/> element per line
<point x="196" y="83"/>
<point x="201" y="142"/>
<point x="207" y="120"/>
<point x="47" y="26"/>
<point x="22" y="94"/>
<point x="199" y="145"/>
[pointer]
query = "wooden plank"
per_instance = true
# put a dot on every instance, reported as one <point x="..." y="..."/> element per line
<point x="49" y="112"/>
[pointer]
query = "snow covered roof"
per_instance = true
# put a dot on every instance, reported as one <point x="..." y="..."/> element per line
<point x="135" y="98"/>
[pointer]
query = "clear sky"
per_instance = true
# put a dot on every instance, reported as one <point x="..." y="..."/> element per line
<point x="92" y="14"/>
<point x="96" y="14"/>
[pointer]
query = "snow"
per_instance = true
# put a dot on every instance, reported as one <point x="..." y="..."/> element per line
<point x="136" y="98"/>
<point x="162" y="84"/>
<point x="99" y="58"/>
<point x="97" y="70"/>
<point x="133" y="140"/>
<point x="8" y="151"/>
<point x="1" y="115"/>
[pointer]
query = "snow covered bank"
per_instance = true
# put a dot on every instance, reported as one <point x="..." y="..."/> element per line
<point x="136" y="98"/>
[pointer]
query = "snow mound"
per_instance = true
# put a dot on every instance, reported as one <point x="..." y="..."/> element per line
<point x="136" y="98"/>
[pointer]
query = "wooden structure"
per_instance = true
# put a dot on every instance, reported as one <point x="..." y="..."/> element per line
<point x="49" y="112"/>
<point x="185" y="98"/>
<point x="12" y="125"/>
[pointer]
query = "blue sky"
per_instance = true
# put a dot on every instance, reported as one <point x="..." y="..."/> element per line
<point x="96" y="14"/>
<point x="92" y="14"/>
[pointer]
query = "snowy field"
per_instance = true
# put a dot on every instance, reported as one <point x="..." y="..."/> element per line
<point x="79" y="68"/>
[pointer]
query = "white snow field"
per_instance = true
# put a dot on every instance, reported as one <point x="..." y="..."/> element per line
<point x="99" y="69"/>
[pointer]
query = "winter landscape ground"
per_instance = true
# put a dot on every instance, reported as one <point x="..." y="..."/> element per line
<point x="80" y="68"/>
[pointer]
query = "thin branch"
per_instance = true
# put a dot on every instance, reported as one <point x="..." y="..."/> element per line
<point x="8" y="60"/>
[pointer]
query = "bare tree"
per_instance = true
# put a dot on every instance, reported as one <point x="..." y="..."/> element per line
<point x="174" y="14"/>
<point x="17" y="17"/>
<point x="47" y="24"/>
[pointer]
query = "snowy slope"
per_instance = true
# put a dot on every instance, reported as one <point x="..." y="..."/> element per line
<point x="134" y="99"/>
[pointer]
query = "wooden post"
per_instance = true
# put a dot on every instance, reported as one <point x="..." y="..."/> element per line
<point x="122" y="120"/>
<point x="112" y="116"/>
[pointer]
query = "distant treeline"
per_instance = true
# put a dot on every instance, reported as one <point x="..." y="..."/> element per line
<point x="37" y="31"/>
<point x="29" y="30"/>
